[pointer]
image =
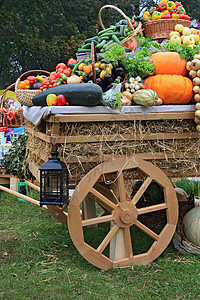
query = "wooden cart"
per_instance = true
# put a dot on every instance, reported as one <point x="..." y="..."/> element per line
<point x="107" y="156"/>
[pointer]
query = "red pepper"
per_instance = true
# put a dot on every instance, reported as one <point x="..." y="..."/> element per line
<point x="186" y="17"/>
<point x="60" y="100"/>
<point x="174" y="11"/>
<point x="178" y="4"/>
<point x="162" y="6"/>
<point x="166" y="16"/>
<point x="31" y="79"/>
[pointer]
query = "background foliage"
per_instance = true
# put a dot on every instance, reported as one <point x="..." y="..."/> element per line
<point x="39" y="34"/>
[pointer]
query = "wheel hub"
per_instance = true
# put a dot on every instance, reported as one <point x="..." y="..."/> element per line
<point x="126" y="214"/>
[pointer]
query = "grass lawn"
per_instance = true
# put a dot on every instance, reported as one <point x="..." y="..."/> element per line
<point x="39" y="261"/>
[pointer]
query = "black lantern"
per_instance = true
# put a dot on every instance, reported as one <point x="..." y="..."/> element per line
<point x="54" y="182"/>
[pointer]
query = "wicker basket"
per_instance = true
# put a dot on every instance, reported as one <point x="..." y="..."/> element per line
<point x="132" y="37"/>
<point x="25" y="96"/>
<point x="18" y="119"/>
<point x="157" y="29"/>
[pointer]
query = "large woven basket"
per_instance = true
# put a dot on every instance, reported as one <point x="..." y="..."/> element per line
<point x="18" y="119"/>
<point x="25" y="96"/>
<point x="132" y="37"/>
<point x="157" y="29"/>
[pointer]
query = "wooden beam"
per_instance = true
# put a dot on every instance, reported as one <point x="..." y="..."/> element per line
<point x="68" y="118"/>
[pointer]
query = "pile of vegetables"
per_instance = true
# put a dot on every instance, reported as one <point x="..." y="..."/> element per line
<point x="112" y="35"/>
<point x="166" y="10"/>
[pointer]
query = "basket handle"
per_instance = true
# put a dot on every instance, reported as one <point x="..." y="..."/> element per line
<point x="94" y="58"/>
<point x="119" y="10"/>
<point x="4" y="93"/>
<point x="27" y="72"/>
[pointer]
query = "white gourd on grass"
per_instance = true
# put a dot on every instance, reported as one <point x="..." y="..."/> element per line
<point x="192" y="225"/>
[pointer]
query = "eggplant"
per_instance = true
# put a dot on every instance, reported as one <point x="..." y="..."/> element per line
<point x="107" y="87"/>
<point x="99" y="82"/>
<point x="108" y="78"/>
<point x="37" y="85"/>
<point x="119" y="71"/>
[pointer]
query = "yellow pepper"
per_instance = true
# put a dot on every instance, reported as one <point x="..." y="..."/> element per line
<point x="175" y="16"/>
<point x="170" y="5"/>
<point x="163" y="1"/>
<point x="146" y="15"/>
<point x="156" y="15"/>
<point x="164" y="12"/>
<point x="51" y="99"/>
<point x="23" y="85"/>
<point x="39" y="78"/>
<point x="108" y="70"/>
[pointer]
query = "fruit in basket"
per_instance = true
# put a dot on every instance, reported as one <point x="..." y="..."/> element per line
<point x="172" y="89"/>
<point x="188" y="39"/>
<point x="169" y="63"/>
<point x="145" y="97"/>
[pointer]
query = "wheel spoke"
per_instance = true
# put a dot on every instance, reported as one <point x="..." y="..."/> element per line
<point x="152" y="208"/>
<point x="107" y="239"/>
<point x="122" y="192"/>
<point x="147" y="230"/>
<point x="105" y="202"/>
<point x="141" y="190"/>
<point x="128" y="242"/>
<point x="97" y="220"/>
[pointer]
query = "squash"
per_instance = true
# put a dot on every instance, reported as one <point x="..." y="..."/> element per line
<point x="169" y="63"/>
<point x="172" y="89"/>
<point x="87" y="94"/>
<point x="192" y="225"/>
<point x="145" y="97"/>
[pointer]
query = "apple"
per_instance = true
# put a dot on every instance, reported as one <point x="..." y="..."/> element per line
<point x="188" y="40"/>
<point x="197" y="99"/>
<point x="174" y="33"/>
<point x="193" y="30"/>
<point x="192" y="74"/>
<point x="179" y="27"/>
<point x="196" y="119"/>
<point x="175" y="39"/>
<point x="186" y="31"/>
<point x="195" y="37"/>
<point x="198" y="73"/>
<point x="197" y="106"/>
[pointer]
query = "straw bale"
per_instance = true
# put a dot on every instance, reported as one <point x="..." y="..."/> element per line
<point x="82" y="157"/>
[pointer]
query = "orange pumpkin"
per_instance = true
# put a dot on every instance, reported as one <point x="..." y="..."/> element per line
<point x="169" y="63"/>
<point x="172" y="89"/>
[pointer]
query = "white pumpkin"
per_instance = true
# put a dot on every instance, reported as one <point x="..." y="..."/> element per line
<point x="192" y="225"/>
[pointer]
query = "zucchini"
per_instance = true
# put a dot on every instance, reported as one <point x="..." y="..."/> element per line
<point x="86" y="46"/>
<point x="81" y="50"/>
<point x="105" y="30"/>
<point x="117" y="40"/>
<point x="76" y="66"/>
<point x="71" y="66"/>
<point x="89" y="40"/>
<point x="86" y="94"/>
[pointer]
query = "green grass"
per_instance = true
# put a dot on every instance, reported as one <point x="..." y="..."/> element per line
<point x="188" y="186"/>
<point x="39" y="261"/>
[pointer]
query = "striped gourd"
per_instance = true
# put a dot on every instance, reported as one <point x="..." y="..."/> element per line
<point x="192" y="225"/>
<point x="145" y="97"/>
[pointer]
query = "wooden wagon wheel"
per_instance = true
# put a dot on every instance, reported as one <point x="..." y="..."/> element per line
<point x="122" y="213"/>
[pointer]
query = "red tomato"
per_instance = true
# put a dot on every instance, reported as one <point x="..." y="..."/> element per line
<point x="61" y="65"/>
<point x="67" y="72"/>
<point x="60" y="100"/>
<point x="60" y="70"/>
<point x="72" y="61"/>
